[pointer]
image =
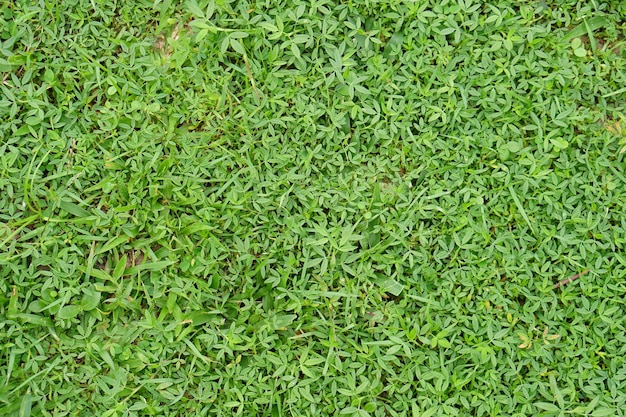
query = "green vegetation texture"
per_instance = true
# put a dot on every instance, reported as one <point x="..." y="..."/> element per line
<point x="312" y="208"/>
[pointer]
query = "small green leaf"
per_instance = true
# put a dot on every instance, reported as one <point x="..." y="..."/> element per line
<point x="33" y="120"/>
<point x="390" y="285"/>
<point x="559" y="143"/>
<point x="238" y="35"/>
<point x="69" y="312"/>
<point x="5" y="66"/>
<point x="546" y="406"/>
<point x="557" y="392"/>
<point x="592" y="24"/>
<point x="237" y="46"/>
<point x="120" y="267"/>
<point x="12" y="307"/>
<point x="116" y="241"/>
<point x="36" y="306"/>
<point x="197" y="227"/>
<point x="431" y="411"/>
<point x="199" y="318"/>
<point x="25" y="405"/>
<point x="201" y="35"/>
<point x="153" y="107"/>
<point x="514" y="147"/>
<point x="444" y="343"/>
<point x="48" y="76"/>
<point x="194" y="8"/>
<point x="281" y="321"/>
<point x="603" y="412"/>
<point x="393" y="44"/>
<point x="150" y="266"/>
<point x="74" y="209"/>
<point x="91" y="299"/>
<point x="33" y="319"/>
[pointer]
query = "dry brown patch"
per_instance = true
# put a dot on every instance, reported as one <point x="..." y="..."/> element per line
<point x="134" y="258"/>
<point x="163" y="42"/>
<point x="615" y="128"/>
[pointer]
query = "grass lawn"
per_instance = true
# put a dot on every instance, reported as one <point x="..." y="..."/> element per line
<point x="312" y="208"/>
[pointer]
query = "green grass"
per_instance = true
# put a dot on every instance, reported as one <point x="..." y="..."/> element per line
<point x="315" y="208"/>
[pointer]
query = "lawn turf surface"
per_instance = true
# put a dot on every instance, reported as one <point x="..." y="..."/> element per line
<point x="314" y="208"/>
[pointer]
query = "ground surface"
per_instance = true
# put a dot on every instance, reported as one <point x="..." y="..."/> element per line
<point x="312" y="208"/>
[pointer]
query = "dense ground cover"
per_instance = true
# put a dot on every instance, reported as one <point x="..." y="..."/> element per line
<point x="312" y="208"/>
